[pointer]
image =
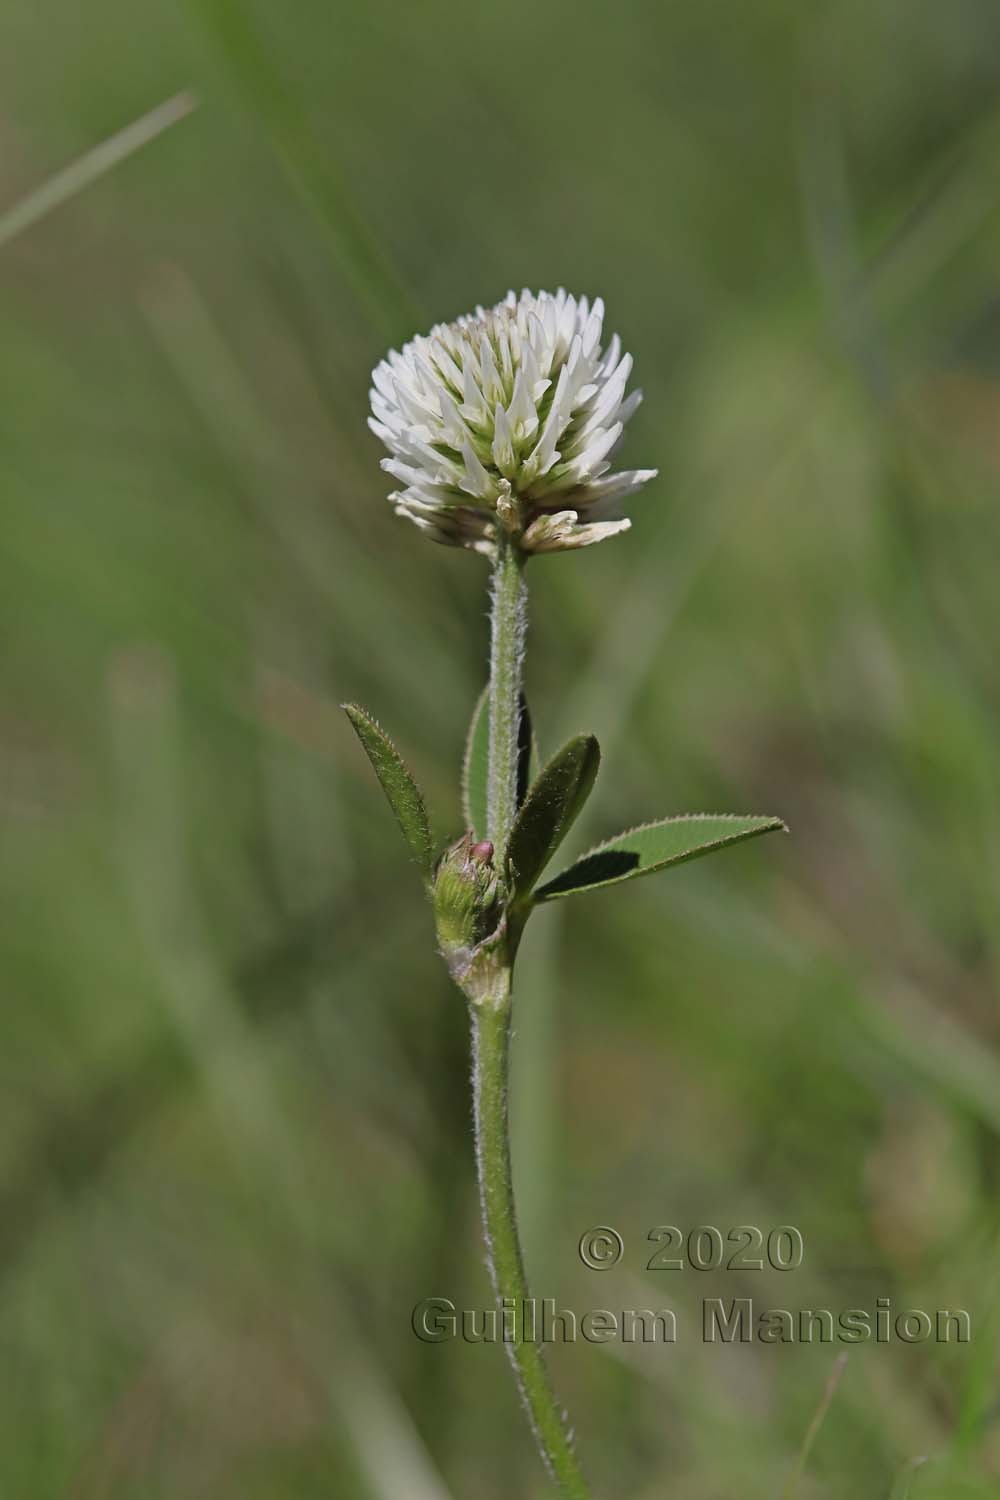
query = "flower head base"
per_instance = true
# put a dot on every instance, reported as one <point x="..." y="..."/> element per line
<point x="508" y="418"/>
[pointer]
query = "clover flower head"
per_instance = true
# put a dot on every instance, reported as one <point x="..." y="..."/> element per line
<point x="508" y="417"/>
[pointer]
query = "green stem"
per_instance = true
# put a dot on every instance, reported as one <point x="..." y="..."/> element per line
<point x="509" y="623"/>
<point x="491" y="1049"/>
<point x="491" y="1015"/>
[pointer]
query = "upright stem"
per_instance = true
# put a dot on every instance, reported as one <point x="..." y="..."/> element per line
<point x="491" y="1015"/>
<point x="509" y="624"/>
<point x="490" y="1050"/>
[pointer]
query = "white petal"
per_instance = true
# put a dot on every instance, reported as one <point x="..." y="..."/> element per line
<point x="600" y="496"/>
<point x="476" y="480"/>
<point x="628" y="406"/>
<point x="474" y="407"/>
<point x="503" y="445"/>
<point x="599" y="445"/>
<point x="592" y="330"/>
<point x="492" y="388"/>
<point x="522" y="412"/>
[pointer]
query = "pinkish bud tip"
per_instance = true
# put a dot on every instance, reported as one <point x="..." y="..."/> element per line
<point x="482" y="852"/>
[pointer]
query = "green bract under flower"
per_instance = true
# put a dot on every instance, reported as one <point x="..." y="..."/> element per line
<point x="509" y="417"/>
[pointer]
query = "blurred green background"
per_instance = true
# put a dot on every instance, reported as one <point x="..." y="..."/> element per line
<point x="234" y="1144"/>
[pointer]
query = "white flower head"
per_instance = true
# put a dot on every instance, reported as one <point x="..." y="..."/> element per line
<point x="508" y="418"/>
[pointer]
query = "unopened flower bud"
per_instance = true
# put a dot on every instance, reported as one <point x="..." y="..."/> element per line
<point x="466" y="906"/>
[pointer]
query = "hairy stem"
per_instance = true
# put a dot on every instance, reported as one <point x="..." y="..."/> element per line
<point x="491" y="1047"/>
<point x="509" y="624"/>
<point x="491" y="1014"/>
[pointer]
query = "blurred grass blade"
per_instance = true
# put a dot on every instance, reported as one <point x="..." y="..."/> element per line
<point x="399" y="786"/>
<point x="550" y="809"/>
<point x="92" y="165"/>
<point x="903" y="1483"/>
<point x="812" y="1431"/>
<point x="393" y="1456"/>
<point x="656" y="846"/>
<point x="475" y="767"/>
<point x="249" y="57"/>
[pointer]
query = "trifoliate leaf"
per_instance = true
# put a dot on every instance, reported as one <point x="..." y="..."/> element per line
<point x="475" y="767"/>
<point x="399" y="786"/>
<point x="656" y="846"/>
<point x="550" y="808"/>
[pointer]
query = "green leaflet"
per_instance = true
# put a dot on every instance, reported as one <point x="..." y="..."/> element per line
<point x="399" y="786"/>
<point x="550" y="808"/>
<point x="655" y="846"/>
<point x="475" y="767"/>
